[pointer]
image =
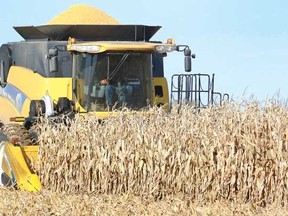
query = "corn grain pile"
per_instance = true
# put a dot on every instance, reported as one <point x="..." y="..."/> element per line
<point x="233" y="153"/>
<point x="82" y="14"/>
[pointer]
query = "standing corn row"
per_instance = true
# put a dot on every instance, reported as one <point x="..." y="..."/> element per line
<point x="235" y="152"/>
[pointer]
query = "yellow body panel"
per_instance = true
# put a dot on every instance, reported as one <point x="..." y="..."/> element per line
<point x="15" y="161"/>
<point x="119" y="46"/>
<point x="30" y="153"/>
<point x="10" y="110"/>
<point x="34" y="87"/>
<point x="164" y="100"/>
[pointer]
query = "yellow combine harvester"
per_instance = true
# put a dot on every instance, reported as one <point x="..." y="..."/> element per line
<point x="67" y="69"/>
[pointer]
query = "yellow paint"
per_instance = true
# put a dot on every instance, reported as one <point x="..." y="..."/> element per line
<point x="101" y="115"/>
<point x="26" y="180"/>
<point x="34" y="86"/>
<point x="24" y="79"/>
<point x="120" y="46"/>
<point x="10" y="110"/>
<point x="6" y="168"/>
<point x="160" y="81"/>
<point x="30" y="154"/>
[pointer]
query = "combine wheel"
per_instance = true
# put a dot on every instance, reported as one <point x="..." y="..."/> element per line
<point x="18" y="135"/>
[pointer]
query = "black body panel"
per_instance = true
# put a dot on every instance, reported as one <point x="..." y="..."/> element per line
<point x="88" y="32"/>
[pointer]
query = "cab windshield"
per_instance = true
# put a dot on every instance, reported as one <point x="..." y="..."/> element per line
<point x="108" y="80"/>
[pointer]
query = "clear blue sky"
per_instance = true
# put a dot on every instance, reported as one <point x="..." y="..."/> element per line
<point x="245" y="43"/>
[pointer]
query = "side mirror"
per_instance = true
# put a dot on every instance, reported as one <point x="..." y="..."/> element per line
<point x="53" y="60"/>
<point x="188" y="63"/>
<point x="188" y="59"/>
<point x="53" y="52"/>
<point x="187" y="52"/>
<point x="187" y="56"/>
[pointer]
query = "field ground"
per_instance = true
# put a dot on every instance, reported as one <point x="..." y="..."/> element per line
<point x="52" y="203"/>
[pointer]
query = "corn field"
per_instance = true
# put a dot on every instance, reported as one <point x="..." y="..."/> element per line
<point x="237" y="153"/>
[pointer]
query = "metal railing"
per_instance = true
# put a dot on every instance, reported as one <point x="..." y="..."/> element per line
<point x="196" y="90"/>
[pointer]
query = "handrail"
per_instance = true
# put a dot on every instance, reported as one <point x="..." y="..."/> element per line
<point x="195" y="89"/>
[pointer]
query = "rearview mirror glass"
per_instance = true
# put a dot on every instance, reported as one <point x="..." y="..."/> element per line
<point x="53" y="64"/>
<point x="188" y="63"/>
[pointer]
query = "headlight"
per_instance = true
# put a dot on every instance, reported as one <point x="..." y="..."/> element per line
<point x="164" y="49"/>
<point x="89" y="49"/>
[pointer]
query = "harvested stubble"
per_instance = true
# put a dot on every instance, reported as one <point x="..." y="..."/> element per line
<point x="232" y="153"/>
<point x="82" y="14"/>
<point x="53" y="203"/>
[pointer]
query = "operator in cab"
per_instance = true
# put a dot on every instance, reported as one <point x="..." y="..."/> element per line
<point x="118" y="90"/>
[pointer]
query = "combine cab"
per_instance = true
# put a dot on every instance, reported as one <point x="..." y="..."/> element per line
<point x="67" y="69"/>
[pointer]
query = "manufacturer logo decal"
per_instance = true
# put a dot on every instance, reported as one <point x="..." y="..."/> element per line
<point x="14" y="95"/>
